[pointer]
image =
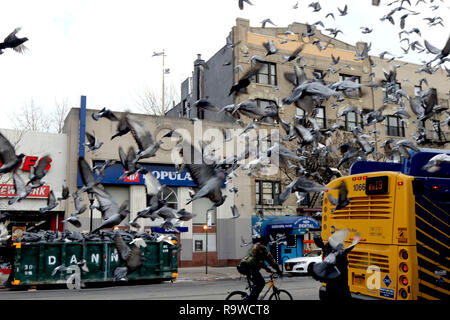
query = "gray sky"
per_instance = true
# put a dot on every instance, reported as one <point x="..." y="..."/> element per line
<point x="103" y="49"/>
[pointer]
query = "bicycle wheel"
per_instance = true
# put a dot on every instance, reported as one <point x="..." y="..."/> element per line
<point x="236" y="295"/>
<point x="280" y="295"/>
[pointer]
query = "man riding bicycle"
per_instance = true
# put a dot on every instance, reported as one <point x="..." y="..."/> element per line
<point x="253" y="262"/>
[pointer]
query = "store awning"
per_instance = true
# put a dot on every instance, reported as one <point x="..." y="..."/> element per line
<point x="294" y="222"/>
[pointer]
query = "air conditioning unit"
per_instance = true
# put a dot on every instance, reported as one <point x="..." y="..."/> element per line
<point x="269" y="201"/>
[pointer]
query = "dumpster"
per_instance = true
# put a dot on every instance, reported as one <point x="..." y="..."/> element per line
<point x="34" y="263"/>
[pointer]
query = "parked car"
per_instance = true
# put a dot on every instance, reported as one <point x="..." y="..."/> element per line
<point x="300" y="265"/>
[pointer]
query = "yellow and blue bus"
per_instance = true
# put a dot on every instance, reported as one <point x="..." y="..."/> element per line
<point x="402" y="213"/>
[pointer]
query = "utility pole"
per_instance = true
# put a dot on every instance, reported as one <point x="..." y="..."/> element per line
<point x="163" y="73"/>
<point x="163" y="54"/>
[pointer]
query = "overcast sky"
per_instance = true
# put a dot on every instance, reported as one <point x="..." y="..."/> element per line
<point x="103" y="49"/>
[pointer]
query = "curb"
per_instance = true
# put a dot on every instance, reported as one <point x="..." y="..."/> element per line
<point x="207" y="279"/>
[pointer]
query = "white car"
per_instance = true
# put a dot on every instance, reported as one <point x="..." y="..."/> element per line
<point x="300" y="265"/>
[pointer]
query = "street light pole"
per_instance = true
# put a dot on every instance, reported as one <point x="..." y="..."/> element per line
<point x="205" y="227"/>
<point x="91" y="200"/>
<point x="163" y="72"/>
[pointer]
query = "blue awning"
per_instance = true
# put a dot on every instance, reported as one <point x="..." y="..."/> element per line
<point x="294" y="222"/>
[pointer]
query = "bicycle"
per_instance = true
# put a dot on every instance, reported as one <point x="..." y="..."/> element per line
<point x="277" y="294"/>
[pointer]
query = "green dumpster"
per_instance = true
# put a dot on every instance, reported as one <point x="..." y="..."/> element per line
<point x="34" y="262"/>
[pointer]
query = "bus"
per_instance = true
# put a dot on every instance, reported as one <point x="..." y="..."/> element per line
<point x="402" y="213"/>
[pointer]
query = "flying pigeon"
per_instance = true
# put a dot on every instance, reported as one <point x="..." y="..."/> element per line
<point x="112" y="214"/>
<point x="10" y="161"/>
<point x="342" y="200"/>
<point x="22" y="190"/>
<point x="13" y="42"/>
<point x="144" y="140"/>
<point x="73" y="219"/>
<point x="122" y="126"/>
<point x="94" y="143"/>
<point x="51" y="203"/>
<point x="38" y="171"/>
<point x="245" y="81"/>
<point x="104" y="113"/>
<point x="131" y="257"/>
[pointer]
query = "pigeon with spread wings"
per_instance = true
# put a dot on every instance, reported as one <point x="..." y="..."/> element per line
<point x="13" y="42"/>
<point x="132" y="257"/>
<point x="10" y="161"/>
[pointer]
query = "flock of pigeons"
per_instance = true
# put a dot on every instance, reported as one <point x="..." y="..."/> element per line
<point x="212" y="173"/>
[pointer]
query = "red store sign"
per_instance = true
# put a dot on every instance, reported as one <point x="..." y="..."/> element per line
<point x="7" y="190"/>
<point x="31" y="161"/>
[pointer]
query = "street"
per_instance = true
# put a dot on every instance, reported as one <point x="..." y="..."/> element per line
<point x="301" y="288"/>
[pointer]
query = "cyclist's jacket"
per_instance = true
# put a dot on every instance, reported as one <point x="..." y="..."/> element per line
<point x="256" y="257"/>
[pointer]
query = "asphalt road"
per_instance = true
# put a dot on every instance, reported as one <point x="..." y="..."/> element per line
<point x="301" y="288"/>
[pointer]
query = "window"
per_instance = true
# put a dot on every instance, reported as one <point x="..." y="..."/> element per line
<point x="389" y="91"/>
<point x="299" y="112"/>
<point x="352" y="119"/>
<point x="263" y="145"/>
<point x="417" y="89"/>
<point x="394" y="127"/>
<point x="267" y="74"/>
<point x="198" y="245"/>
<point x="267" y="192"/>
<point x="262" y="103"/>
<point x="314" y="253"/>
<point x="352" y="93"/>
<point x="185" y="108"/>
<point x="201" y="114"/>
<point x="320" y="117"/>
<point x="438" y="134"/>
<point x="267" y="104"/>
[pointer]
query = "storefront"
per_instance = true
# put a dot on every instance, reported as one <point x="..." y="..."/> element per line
<point x="24" y="215"/>
<point x="293" y="230"/>
<point x="221" y="240"/>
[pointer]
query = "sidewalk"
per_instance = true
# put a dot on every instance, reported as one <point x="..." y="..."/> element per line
<point x="214" y="274"/>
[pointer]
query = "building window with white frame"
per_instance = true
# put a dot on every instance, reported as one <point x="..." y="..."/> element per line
<point x="394" y="126"/>
<point x="267" y="192"/>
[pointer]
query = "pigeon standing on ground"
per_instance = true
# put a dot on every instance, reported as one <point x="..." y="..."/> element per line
<point x="13" y="42"/>
<point x="10" y="161"/>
